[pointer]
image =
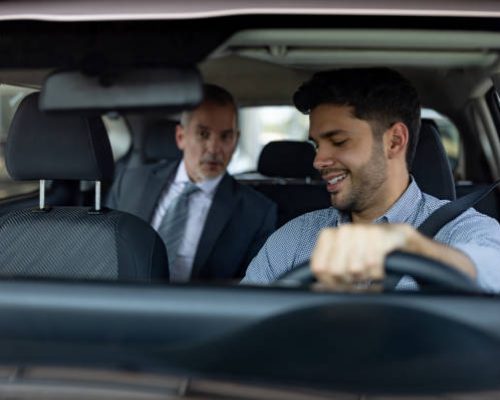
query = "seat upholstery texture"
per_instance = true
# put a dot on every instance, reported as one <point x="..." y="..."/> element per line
<point x="71" y="242"/>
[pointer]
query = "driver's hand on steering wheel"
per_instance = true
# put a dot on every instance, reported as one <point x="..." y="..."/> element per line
<point x="355" y="253"/>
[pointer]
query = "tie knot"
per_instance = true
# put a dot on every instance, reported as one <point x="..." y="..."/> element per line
<point x="189" y="188"/>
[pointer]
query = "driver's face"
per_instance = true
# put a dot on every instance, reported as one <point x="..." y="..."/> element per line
<point x="348" y="157"/>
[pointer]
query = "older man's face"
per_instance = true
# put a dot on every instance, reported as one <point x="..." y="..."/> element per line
<point x="208" y="140"/>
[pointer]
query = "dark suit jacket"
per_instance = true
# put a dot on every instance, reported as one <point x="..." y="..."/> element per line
<point x="238" y="222"/>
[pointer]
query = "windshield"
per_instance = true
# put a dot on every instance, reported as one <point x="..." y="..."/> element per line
<point x="293" y="206"/>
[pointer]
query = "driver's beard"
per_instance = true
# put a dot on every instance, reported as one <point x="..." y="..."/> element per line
<point x="368" y="180"/>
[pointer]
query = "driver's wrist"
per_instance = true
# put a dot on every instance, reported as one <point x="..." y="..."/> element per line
<point x="414" y="242"/>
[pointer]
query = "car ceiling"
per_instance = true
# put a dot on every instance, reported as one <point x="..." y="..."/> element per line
<point x="278" y="53"/>
<point x="283" y="58"/>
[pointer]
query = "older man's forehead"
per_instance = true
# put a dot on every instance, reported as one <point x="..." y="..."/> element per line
<point x="203" y="127"/>
<point x="211" y="111"/>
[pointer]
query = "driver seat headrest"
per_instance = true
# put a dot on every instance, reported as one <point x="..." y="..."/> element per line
<point x="431" y="168"/>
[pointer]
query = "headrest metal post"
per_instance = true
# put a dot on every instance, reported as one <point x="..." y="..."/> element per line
<point x="42" y="194"/>
<point x="98" y="195"/>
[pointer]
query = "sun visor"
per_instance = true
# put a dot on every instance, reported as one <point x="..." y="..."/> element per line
<point x="145" y="89"/>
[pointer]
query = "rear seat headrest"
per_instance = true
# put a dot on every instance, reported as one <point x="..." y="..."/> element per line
<point x="288" y="159"/>
<point x="159" y="142"/>
<point x="46" y="146"/>
<point x="431" y="168"/>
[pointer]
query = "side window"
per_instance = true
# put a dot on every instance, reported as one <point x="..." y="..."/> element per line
<point x="261" y="125"/>
<point x="118" y="133"/>
<point x="449" y="133"/>
<point x="10" y="97"/>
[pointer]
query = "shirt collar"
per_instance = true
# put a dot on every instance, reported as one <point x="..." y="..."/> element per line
<point x="400" y="212"/>
<point x="208" y="186"/>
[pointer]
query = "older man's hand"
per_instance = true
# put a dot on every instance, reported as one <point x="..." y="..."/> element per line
<point x="355" y="253"/>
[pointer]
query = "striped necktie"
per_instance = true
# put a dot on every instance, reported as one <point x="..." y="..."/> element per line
<point x="173" y="224"/>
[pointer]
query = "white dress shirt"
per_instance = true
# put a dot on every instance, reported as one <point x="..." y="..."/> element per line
<point x="199" y="204"/>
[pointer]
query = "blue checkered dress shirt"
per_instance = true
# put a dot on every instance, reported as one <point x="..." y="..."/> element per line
<point x="473" y="233"/>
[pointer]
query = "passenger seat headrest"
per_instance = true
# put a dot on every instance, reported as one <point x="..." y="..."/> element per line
<point x="46" y="146"/>
<point x="159" y="142"/>
<point x="431" y="168"/>
<point x="288" y="159"/>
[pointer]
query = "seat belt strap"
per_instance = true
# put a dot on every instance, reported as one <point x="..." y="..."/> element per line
<point x="440" y="217"/>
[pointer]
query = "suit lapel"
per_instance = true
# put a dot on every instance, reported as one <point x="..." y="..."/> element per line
<point x="154" y="185"/>
<point x="218" y="216"/>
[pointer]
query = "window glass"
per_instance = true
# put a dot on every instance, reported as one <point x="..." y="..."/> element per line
<point x="10" y="97"/>
<point x="118" y="133"/>
<point x="261" y="125"/>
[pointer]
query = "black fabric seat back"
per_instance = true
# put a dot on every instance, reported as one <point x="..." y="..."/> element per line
<point x="71" y="242"/>
<point x="157" y="145"/>
<point x="286" y="176"/>
<point x="431" y="168"/>
<point x="159" y="142"/>
<point x="288" y="159"/>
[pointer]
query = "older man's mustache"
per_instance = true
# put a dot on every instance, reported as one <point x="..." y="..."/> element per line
<point x="212" y="159"/>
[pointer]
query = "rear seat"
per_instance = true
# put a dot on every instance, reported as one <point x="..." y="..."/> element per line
<point x="285" y="175"/>
<point x="159" y="142"/>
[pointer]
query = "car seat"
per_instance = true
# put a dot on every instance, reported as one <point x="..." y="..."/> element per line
<point x="159" y="142"/>
<point x="71" y="242"/>
<point x="286" y="176"/>
<point x="431" y="168"/>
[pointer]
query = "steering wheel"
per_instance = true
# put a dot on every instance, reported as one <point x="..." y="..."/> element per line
<point x="429" y="274"/>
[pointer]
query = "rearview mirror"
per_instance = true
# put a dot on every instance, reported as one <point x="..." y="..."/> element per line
<point x="169" y="89"/>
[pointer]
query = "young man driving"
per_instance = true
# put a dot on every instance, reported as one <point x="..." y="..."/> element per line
<point x="365" y="125"/>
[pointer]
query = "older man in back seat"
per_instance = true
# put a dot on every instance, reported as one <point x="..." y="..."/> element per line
<point x="211" y="225"/>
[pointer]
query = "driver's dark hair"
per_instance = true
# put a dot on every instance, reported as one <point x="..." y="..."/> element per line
<point x="380" y="96"/>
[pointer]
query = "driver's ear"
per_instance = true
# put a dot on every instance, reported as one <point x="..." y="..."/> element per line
<point x="396" y="140"/>
<point x="180" y="136"/>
